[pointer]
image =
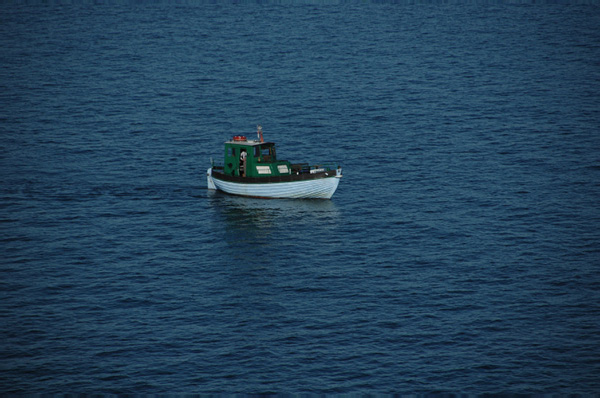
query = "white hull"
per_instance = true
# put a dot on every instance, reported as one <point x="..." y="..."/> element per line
<point x="322" y="188"/>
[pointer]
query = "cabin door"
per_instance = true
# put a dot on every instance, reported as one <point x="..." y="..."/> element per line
<point x="232" y="161"/>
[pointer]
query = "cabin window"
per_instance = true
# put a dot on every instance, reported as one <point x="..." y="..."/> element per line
<point x="230" y="151"/>
<point x="256" y="151"/>
<point x="267" y="153"/>
<point x="263" y="169"/>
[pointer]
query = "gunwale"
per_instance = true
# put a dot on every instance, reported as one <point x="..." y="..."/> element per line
<point x="273" y="179"/>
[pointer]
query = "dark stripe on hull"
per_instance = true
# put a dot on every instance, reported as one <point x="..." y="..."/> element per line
<point x="267" y="180"/>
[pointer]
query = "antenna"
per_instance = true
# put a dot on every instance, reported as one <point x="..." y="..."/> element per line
<point x="259" y="132"/>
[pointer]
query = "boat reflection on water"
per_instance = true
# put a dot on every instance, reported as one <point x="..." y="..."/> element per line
<point x="263" y="223"/>
<point x="261" y="213"/>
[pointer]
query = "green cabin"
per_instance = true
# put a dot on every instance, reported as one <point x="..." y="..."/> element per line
<point x="260" y="159"/>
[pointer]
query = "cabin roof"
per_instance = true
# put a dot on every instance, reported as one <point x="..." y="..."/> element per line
<point x="249" y="142"/>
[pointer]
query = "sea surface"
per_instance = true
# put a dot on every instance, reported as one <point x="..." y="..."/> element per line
<point x="460" y="254"/>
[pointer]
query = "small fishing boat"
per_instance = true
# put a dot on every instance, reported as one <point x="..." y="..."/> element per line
<point x="251" y="168"/>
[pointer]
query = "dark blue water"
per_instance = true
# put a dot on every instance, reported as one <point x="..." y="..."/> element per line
<point x="460" y="254"/>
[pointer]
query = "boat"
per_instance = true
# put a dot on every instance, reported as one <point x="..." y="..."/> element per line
<point x="251" y="168"/>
